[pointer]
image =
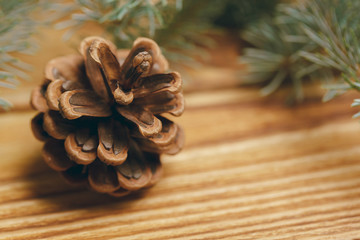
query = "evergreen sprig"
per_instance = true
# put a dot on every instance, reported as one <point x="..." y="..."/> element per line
<point x="16" y="29"/>
<point x="123" y="20"/>
<point x="318" y="38"/>
<point x="184" y="34"/>
<point x="274" y="57"/>
<point x="336" y="30"/>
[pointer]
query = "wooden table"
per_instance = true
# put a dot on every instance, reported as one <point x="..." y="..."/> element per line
<point x="252" y="168"/>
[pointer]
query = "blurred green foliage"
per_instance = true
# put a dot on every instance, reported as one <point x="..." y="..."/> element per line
<point x="304" y="40"/>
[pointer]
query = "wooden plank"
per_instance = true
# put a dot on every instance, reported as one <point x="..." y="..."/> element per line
<point x="252" y="168"/>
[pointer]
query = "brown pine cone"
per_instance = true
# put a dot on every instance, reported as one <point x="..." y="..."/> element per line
<point x="101" y="115"/>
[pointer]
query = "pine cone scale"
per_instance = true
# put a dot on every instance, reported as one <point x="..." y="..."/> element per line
<point x="135" y="172"/>
<point x="106" y="59"/>
<point x="55" y="155"/>
<point x="76" y="152"/>
<point x="77" y="103"/>
<point x="113" y="142"/>
<point x="157" y="83"/>
<point x="96" y="79"/>
<point x="148" y="124"/>
<point x="67" y="68"/>
<point x="38" y="100"/>
<point x="56" y="126"/>
<point x="103" y="178"/>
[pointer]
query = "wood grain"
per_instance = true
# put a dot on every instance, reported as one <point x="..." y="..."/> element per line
<point x="252" y="168"/>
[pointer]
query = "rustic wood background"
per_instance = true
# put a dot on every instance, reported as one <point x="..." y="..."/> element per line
<point x="252" y="168"/>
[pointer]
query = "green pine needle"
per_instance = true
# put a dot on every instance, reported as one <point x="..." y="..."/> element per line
<point x="16" y="29"/>
<point x="336" y="30"/>
<point x="274" y="57"/>
<point x="123" y="20"/>
<point x="309" y="39"/>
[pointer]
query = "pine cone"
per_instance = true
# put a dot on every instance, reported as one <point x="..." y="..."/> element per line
<point x="101" y="115"/>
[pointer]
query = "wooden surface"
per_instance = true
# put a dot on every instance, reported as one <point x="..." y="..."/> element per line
<point x="252" y="168"/>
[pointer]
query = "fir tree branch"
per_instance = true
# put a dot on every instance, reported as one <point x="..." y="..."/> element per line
<point x="274" y="57"/>
<point x="336" y="30"/>
<point x="311" y="38"/>
<point x="16" y="29"/>
<point x="123" y="20"/>
<point x="181" y="39"/>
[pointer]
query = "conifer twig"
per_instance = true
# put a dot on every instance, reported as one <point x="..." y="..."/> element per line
<point x="16" y="29"/>
<point x="274" y="57"/>
<point x="123" y="20"/>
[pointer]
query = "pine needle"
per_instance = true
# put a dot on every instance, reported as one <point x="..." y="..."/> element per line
<point x="16" y="29"/>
